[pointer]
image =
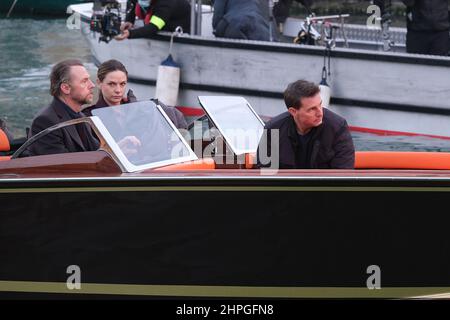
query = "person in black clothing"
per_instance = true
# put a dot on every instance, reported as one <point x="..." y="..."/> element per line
<point x="309" y="136"/>
<point x="428" y="26"/>
<point x="158" y="15"/>
<point x="71" y="88"/>
<point x="112" y="79"/>
<point x="427" y="23"/>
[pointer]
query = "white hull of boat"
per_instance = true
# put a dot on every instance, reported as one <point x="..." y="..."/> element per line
<point x="384" y="91"/>
<point x="360" y="118"/>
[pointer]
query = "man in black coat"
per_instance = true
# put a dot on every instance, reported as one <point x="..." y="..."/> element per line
<point x="428" y="26"/>
<point x="71" y="88"/>
<point x="157" y="15"/>
<point x="307" y="136"/>
<point x="427" y="23"/>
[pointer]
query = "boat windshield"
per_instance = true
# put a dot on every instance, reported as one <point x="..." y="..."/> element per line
<point x="236" y="120"/>
<point x="141" y="136"/>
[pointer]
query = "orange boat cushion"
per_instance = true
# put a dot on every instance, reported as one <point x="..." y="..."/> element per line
<point x="402" y="160"/>
<point x="250" y="160"/>
<point x="4" y="142"/>
<point x="200" y="164"/>
<point x="389" y="160"/>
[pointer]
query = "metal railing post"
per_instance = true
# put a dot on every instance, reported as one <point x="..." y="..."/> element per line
<point x="199" y="17"/>
<point x="193" y="19"/>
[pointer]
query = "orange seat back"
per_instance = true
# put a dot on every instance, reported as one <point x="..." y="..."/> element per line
<point x="250" y="160"/>
<point x="200" y="164"/>
<point x="4" y="142"/>
<point x="402" y="160"/>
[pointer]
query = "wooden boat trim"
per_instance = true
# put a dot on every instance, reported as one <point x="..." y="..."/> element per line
<point x="237" y="176"/>
<point x="222" y="291"/>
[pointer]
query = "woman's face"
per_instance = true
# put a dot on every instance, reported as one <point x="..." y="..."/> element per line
<point x="113" y="87"/>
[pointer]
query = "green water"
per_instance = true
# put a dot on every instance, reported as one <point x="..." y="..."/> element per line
<point x="28" y="49"/>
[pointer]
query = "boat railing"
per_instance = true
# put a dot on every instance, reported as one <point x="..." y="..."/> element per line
<point x="355" y="35"/>
<point x="320" y="30"/>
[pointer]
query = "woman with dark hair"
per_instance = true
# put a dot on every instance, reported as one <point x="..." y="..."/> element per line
<point x="112" y="79"/>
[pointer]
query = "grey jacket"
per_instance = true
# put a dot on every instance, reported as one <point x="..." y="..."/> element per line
<point x="242" y="19"/>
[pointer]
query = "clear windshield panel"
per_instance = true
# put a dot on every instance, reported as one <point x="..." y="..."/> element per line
<point x="236" y="120"/>
<point x="144" y="134"/>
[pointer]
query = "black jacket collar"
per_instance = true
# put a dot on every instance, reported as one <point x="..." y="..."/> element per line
<point x="61" y="111"/>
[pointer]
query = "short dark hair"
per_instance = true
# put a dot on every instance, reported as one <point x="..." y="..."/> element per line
<point x="110" y="66"/>
<point x="60" y="74"/>
<point x="297" y="90"/>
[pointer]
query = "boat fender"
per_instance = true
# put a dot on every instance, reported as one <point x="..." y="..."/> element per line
<point x="168" y="81"/>
<point x="325" y="90"/>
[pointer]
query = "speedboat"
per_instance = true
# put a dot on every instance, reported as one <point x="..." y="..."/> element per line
<point x="187" y="214"/>
<point x="385" y="92"/>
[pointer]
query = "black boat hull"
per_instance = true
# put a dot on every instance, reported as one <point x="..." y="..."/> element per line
<point x="212" y="232"/>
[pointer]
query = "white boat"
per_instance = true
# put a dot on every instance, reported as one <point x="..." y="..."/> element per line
<point x="376" y="91"/>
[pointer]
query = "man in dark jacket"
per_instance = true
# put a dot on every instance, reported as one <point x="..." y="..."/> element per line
<point x="242" y="19"/>
<point x="428" y="26"/>
<point x="427" y="23"/>
<point x="309" y="136"/>
<point x="157" y="15"/>
<point x="71" y="88"/>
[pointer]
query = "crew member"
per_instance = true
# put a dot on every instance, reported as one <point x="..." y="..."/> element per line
<point x="427" y="23"/>
<point x="157" y="15"/>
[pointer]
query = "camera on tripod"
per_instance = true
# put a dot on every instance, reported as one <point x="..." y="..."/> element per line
<point x="106" y="19"/>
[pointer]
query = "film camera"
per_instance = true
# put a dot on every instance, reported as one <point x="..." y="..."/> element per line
<point x="106" y="19"/>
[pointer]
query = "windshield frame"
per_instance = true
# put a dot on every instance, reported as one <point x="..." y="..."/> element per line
<point x="115" y="151"/>
<point x="237" y="100"/>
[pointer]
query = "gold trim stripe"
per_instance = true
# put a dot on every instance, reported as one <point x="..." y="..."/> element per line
<point x="225" y="291"/>
<point x="224" y="188"/>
